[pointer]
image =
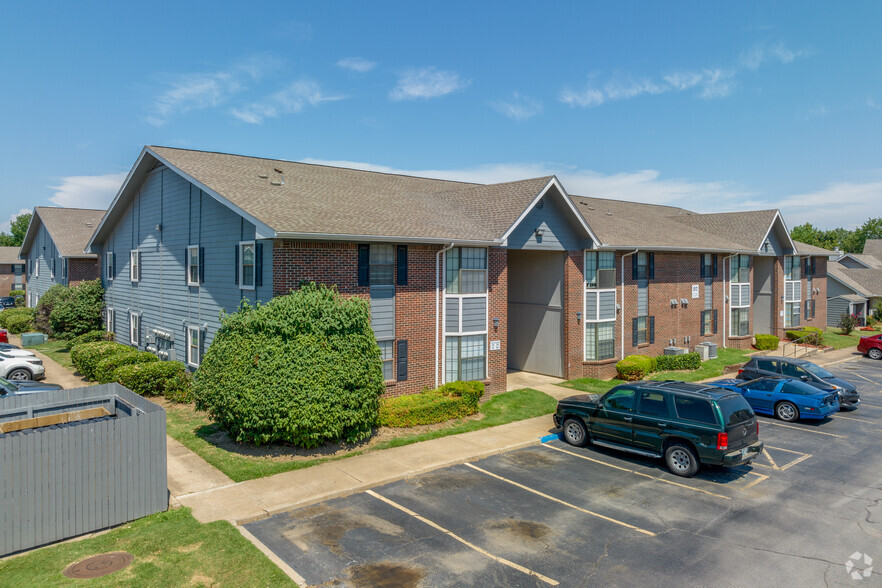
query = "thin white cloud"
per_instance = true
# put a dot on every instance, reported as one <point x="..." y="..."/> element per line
<point x="717" y="83"/>
<point x="6" y="226"/>
<point x="197" y="91"/>
<point x="290" y="100"/>
<point x="519" y="107"/>
<point x="359" y="64"/>
<point x="427" y="82"/>
<point x="766" y="52"/>
<point x="871" y="104"/>
<point x="87" y="191"/>
<point x="843" y="204"/>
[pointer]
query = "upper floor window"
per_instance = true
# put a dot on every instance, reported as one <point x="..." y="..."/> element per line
<point x="708" y="265"/>
<point x="134" y="328"/>
<point x="109" y="265"/>
<point x="52" y="269"/>
<point x="135" y="265"/>
<point x="466" y="270"/>
<point x="382" y="264"/>
<point x="36" y="271"/>
<point x="739" y="269"/>
<point x="600" y="269"/>
<point x="643" y="266"/>
<point x="246" y="264"/>
<point x="194" y="265"/>
<point x="791" y="268"/>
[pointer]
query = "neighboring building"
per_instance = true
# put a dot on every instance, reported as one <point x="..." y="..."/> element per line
<point x="12" y="271"/>
<point x="855" y="286"/>
<point x="53" y="249"/>
<point x="465" y="281"/>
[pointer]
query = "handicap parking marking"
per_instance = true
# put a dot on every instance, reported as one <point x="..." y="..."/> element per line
<point x="805" y="430"/>
<point x="452" y="535"/>
<point x="760" y="478"/>
<point x="773" y="464"/>
<point x="636" y="473"/>
<point x="563" y="502"/>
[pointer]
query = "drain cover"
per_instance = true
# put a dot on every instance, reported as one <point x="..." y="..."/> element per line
<point x="99" y="565"/>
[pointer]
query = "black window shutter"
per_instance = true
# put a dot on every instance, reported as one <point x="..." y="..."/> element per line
<point x="651" y="329"/>
<point x="701" y="316"/>
<point x="364" y="260"/>
<point x="634" y="265"/>
<point x="701" y="265"/>
<point x="402" y="360"/>
<point x="634" y="330"/>
<point x="808" y="266"/>
<point x="201" y="264"/>
<point x="402" y="268"/>
<point x="714" y="262"/>
<point x="808" y="304"/>
<point x="813" y="309"/>
<point x="187" y="265"/>
<point x="258" y="264"/>
<point x="139" y="264"/>
<point x="715" y="322"/>
<point x="650" y="259"/>
<point x="113" y="266"/>
<point x="236" y="270"/>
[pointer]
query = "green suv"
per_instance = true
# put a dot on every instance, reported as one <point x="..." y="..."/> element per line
<point x="687" y="424"/>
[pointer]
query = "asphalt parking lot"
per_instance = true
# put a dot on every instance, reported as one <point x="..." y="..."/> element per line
<point x="553" y="515"/>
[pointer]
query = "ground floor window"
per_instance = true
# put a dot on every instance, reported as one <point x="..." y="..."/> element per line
<point x="386" y="355"/>
<point x="600" y="340"/>
<point x="134" y="328"/>
<point x="740" y="326"/>
<point x="641" y="330"/>
<point x="108" y="320"/>
<point x="708" y="322"/>
<point x="193" y="347"/>
<point x="791" y="314"/>
<point x="809" y="309"/>
<point x="466" y="358"/>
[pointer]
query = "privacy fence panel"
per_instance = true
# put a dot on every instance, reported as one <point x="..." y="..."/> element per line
<point x="62" y="480"/>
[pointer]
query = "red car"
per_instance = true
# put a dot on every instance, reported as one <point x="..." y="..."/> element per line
<point x="871" y="346"/>
<point x="4" y="338"/>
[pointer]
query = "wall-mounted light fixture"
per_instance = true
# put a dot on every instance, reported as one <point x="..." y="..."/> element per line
<point x="495" y="322"/>
<point x="766" y="246"/>
<point x="159" y="228"/>
<point x="673" y="303"/>
<point x="684" y="301"/>
<point x="539" y="231"/>
<point x="579" y="316"/>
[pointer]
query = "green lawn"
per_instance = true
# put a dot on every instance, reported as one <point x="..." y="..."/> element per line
<point x="170" y="548"/>
<point x="56" y="350"/>
<point x="833" y="337"/>
<point x="194" y="428"/>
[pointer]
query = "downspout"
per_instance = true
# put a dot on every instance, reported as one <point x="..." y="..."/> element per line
<point x="622" y="356"/>
<point x="725" y="298"/>
<point x="438" y="305"/>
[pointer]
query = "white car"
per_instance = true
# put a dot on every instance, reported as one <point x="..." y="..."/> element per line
<point x="14" y="351"/>
<point x="21" y="368"/>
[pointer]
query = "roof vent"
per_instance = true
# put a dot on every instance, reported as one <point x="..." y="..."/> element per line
<point x="280" y="181"/>
<point x="591" y="208"/>
<point x="262" y="176"/>
<point x="608" y="213"/>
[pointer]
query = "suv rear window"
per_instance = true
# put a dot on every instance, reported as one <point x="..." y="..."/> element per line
<point x="695" y="409"/>
<point x="734" y="409"/>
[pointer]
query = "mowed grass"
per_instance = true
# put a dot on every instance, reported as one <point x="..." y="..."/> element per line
<point x="833" y="337"/>
<point x="194" y="429"/>
<point x="170" y="549"/>
<point x="56" y="350"/>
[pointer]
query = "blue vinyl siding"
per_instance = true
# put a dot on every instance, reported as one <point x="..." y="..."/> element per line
<point x="44" y="251"/>
<point x="559" y="231"/>
<point x="166" y="216"/>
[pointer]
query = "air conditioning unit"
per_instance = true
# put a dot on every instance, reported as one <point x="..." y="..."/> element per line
<point x="703" y="351"/>
<point x="674" y="351"/>
<point x="606" y="278"/>
<point x="711" y="347"/>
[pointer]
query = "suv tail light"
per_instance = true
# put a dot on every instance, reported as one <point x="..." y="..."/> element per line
<point x="722" y="440"/>
<point x="757" y="427"/>
<point x="740" y="371"/>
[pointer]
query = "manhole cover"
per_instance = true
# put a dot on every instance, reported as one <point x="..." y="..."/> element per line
<point x="99" y="565"/>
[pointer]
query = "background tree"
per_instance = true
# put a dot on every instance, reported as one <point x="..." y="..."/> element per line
<point x="848" y="241"/>
<point x="17" y="230"/>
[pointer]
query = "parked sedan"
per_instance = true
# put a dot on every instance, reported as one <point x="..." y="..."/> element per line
<point x="21" y="368"/>
<point x="788" y="399"/>
<point x="4" y="336"/>
<point x="14" y="351"/>
<point x="871" y="346"/>
<point x="790" y="367"/>
<point x="7" y="302"/>
<point x="8" y="388"/>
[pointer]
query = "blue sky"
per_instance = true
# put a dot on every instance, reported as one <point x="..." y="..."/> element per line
<point x="708" y="106"/>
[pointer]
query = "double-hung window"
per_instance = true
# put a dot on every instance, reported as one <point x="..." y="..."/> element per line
<point x="642" y="261"/>
<point x="466" y="358"/>
<point x="641" y="330"/>
<point x="135" y="265"/>
<point x="708" y="322"/>
<point x="64" y="269"/>
<point x="739" y="296"/>
<point x="386" y="355"/>
<point x="247" y="257"/>
<point x="792" y="291"/>
<point x="109" y="320"/>
<point x="52" y="269"/>
<point x="194" y="262"/>
<point x="382" y="264"/>
<point x="108" y="271"/>
<point x="134" y="328"/>
<point x="36" y="271"/>
<point x="465" y="321"/>
<point x="600" y="305"/>
<point x="466" y="269"/>
<point x="193" y="346"/>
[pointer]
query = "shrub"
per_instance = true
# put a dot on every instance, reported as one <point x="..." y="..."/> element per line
<point x="19" y="296"/>
<point x="167" y="378"/>
<point x="634" y="367"/>
<point x="85" y="357"/>
<point x="107" y="365"/>
<point x="687" y="361"/>
<point x="810" y="337"/>
<point x="79" y="311"/>
<point x="766" y="342"/>
<point x="303" y="369"/>
<point x="877" y="312"/>
<point x="847" y="322"/>
<point x="44" y="307"/>
<point x="17" y="320"/>
<point x="90" y="337"/>
<point x="450" y="401"/>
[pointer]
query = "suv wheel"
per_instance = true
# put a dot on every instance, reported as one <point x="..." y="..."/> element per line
<point x="19" y="374"/>
<point x="787" y="411"/>
<point x="575" y="433"/>
<point x="681" y="460"/>
<point x="875" y="353"/>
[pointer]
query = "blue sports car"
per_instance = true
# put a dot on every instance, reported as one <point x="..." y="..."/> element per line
<point x="786" y="398"/>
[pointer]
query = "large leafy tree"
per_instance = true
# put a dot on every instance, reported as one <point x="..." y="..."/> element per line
<point x="848" y="241"/>
<point x="17" y="231"/>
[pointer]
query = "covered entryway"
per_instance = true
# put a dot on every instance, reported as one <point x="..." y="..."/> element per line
<point x="763" y="295"/>
<point x="535" y="311"/>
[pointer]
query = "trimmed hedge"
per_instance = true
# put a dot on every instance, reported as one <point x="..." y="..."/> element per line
<point x="106" y="366"/>
<point x="17" y="320"/>
<point x="450" y="401"/>
<point x="19" y="296"/>
<point x="90" y="337"/>
<point x="85" y="357"/>
<point x="687" y="361"/>
<point x="303" y="369"/>
<point x="635" y="367"/>
<point x="812" y="335"/>
<point x="766" y="342"/>
<point x="166" y="378"/>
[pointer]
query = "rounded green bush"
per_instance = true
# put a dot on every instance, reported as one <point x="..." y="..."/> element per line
<point x="426" y="408"/>
<point x="85" y="357"/>
<point x="90" y="337"/>
<point x="78" y="311"/>
<point x="303" y="369"/>
<point x="686" y="361"/>
<point x="167" y="378"/>
<point x="106" y="366"/>
<point x="17" y="322"/>
<point x="767" y="342"/>
<point x="634" y="367"/>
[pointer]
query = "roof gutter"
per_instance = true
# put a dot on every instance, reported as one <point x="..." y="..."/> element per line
<point x="438" y="306"/>
<point x="623" y="300"/>
<point x="384" y="239"/>
<point x="606" y="247"/>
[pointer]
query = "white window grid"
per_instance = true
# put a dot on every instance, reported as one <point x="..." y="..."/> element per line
<point x="193" y="336"/>
<point x="134" y="265"/>
<point x="109" y="320"/>
<point x="193" y="268"/>
<point x="462" y="355"/>
<point x="134" y="328"/>
<point x="381" y="264"/>
<point x="244" y="247"/>
<point x="465" y="268"/>
<point x="594" y="261"/>
<point x="460" y="298"/>
<point x="387" y="353"/>
<point x="108" y="271"/>
<point x="739" y="269"/>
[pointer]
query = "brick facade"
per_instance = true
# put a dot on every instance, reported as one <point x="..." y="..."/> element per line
<point x="82" y="270"/>
<point x="8" y="278"/>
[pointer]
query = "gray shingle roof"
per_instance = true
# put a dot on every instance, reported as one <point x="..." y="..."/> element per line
<point x="806" y="249"/>
<point x="9" y="255"/>
<point x="873" y="247"/>
<point x="866" y="281"/>
<point x="325" y="200"/>
<point x="70" y="228"/>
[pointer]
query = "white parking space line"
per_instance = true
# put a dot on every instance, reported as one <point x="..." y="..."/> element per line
<point x="839" y="416"/>
<point x="865" y="378"/>
<point x="559" y="501"/>
<point x="636" y="473"/>
<point x="453" y="535"/>
<point x="805" y="430"/>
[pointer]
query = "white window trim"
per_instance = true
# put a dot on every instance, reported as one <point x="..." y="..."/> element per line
<point x="190" y="249"/>
<point x="133" y="335"/>
<point x="135" y="265"/>
<point x="241" y="268"/>
<point x="64" y="268"/>
<point x="486" y="271"/>
<point x="596" y="254"/>
<point x="52" y="269"/>
<point x="596" y="319"/>
<point x="109" y="319"/>
<point x="108" y="266"/>
<point x="190" y="330"/>
<point x="460" y="336"/>
<point x="391" y="360"/>
<point x="37" y="267"/>
<point x="459" y="332"/>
